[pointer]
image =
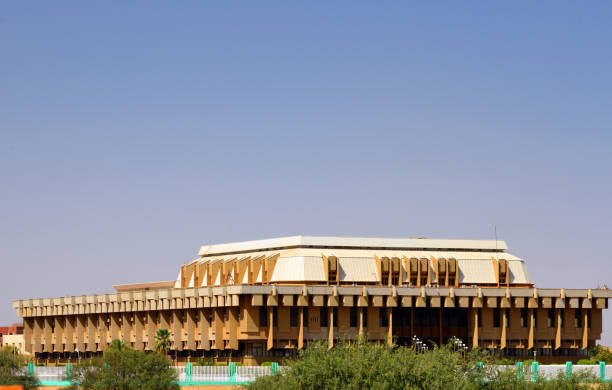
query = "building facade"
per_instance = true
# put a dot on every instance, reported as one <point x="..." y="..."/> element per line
<point x="263" y="300"/>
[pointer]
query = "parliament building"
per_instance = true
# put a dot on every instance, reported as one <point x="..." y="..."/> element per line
<point x="263" y="300"/>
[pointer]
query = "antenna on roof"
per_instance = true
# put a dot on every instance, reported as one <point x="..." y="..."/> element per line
<point x="495" y="229"/>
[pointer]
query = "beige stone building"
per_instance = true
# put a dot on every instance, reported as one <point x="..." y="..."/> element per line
<point x="15" y="341"/>
<point x="263" y="300"/>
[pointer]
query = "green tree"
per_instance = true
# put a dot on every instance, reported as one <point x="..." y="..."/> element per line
<point x="13" y="371"/>
<point x="123" y="368"/>
<point x="162" y="341"/>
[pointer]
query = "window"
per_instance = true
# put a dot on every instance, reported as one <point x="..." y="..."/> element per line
<point x="365" y="316"/>
<point x="305" y="320"/>
<point x="480" y="318"/>
<point x="507" y="319"/>
<point x="535" y="319"/>
<point x="496" y="318"/>
<point x="551" y="318"/>
<point x="335" y="311"/>
<point x="589" y="319"/>
<point x="383" y="319"/>
<point x="274" y="316"/>
<point x="323" y="317"/>
<point x="578" y="318"/>
<point x="263" y="316"/>
<point x="524" y="319"/>
<point x="354" y="321"/>
<point x="293" y="316"/>
<point x="255" y="350"/>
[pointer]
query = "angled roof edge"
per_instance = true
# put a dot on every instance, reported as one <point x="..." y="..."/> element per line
<point x="354" y="242"/>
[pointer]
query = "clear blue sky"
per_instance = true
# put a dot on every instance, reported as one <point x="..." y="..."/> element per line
<point x="131" y="134"/>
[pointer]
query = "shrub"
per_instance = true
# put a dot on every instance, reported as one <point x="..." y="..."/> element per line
<point x="12" y="372"/>
<point x="208" y="361"/>
<point x="266" y="364"/>
<point x="586" y="362"/>
<point x="123" y="368"/>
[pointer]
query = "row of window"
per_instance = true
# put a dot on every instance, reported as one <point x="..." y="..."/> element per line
<point x="551" y="319"/>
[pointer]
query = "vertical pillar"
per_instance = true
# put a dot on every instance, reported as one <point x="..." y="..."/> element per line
<point x="204" y="328"/>
<point x="28" y="328"/>
<point x="219" y="319"/>
<point x="530" y="342"/>
<point x="127" y="328"/>
<point x="504" y="330"/>
<point x="164" y="320"/>
<point x="59" y="333"/>
<point x="151" y="330"/>
<point x="80" y="332"/>
<point x="270" y="328"/>
<point x="103" y="327"/>
<point x="475" y="333"/>
<point x="37" y="332"/>
<point x="69" y="330"/>
<point x="233" y="327"/>
<point x="114" y="326"/>
<point x="390" y="328"/>
<point x="191" y="329"/>
<point x="361" y="328"/>
<point x="139" y="330"/>
<point x="330" y="313"/>
<point x="301" y="328"/>
<point x="177" y="329"/>
<point x="585" y="328"/>
<point x="48" y="335"/>
<point x="91" y="333"/>
<point x="558" y="331"/>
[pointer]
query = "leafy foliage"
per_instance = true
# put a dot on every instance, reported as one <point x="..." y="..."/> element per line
<point x="12" y="370"/>
<point x="379" y="367"/>
<point x="162" y="341"/>
<point x="601" y="354"/>
<point x="123" y="368"/>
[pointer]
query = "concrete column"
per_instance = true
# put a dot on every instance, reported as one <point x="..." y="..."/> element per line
<point x="558" y="331"/>
<point x="59" y="333"/>
<point x="48" y="339"/>
<point x="80" y="332"/>
<point x="585" y="328"/>
<point x="233" y="327"/>
<point x="126" y="328"/>
<point x="139" y="319"/>
<point x="115" y="327"/>
<point x="37" y="333"/>
<point x="361" y="322"/>
<point x="475" y="333"/>
<point x="69" y="330"/>
<point x="103" y="329"/>
<point x="91" y="333"/>
<point x="530" y="342"/>
<point x="390" y="328"/>
<point x="164" y="320"/>
<point x="504" y="329"/>
<point x="151" y="330"/>
<point x="219" y="319"/>
<point x="28" y="329"/>
<point x="270" y="328"/>
<point x="191" y="329"/>
<point x="300" y="342"/>
<point x="330" y="313"/>
<point x="204" y="328"/>
<point x="177" y="329"/>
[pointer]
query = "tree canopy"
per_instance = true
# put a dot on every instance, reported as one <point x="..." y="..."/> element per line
<point x="13" y="371"/>
<point x="123" y="368"/>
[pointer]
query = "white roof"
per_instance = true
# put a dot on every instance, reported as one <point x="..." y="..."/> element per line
<point x="351" y="242"/>
<point x="298" y="269"/>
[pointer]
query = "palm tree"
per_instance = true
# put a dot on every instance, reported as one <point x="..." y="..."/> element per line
<point x="119" y="345"/>
<point x="162" y="341"/>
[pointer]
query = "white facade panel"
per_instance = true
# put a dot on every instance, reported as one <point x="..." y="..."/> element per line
<point x="358" y="269"/>
<point x="299" y="269"/>
<point x="518" y="272"/>
<point x="476" y="271"/>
